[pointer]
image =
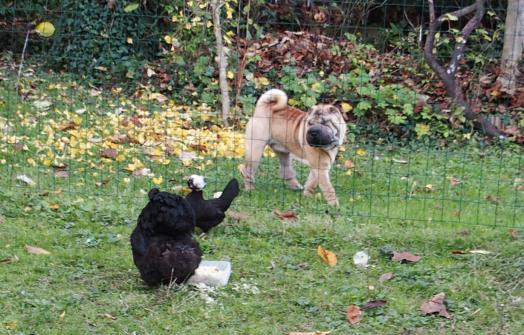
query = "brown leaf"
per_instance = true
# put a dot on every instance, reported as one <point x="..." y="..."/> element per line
<point x="386" y="276"/>
<point x="327" y="256"/>
<point x="62" y="173"/>
<point x="119" y="139"/>
<point x="405" y="257"/>
<point x="309" y="333"/>
<point x="458" y="252"/>
<point x="9" y="260"/>
<point x="68" y="126"/>
<point x="435" y="305"/>
<point x="285" y="215"/>
<point x="239" y="216"/>
<point x="493" y="199"/>
<point x="109" y="153"/>
<point x="354" y="314"/>
<point x="373" y="304"/>
<point x="348" y="164"/>
<point x="36" y="250"/>
<point x="513" y="233"/>
<point x="136" y="120"/>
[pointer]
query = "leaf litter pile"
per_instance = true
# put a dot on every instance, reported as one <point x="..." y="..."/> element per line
<point x="73" y="126"/>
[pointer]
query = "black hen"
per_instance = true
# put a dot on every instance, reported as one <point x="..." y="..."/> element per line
<point x="164" y="250"/>
<point x="210" y="213"/>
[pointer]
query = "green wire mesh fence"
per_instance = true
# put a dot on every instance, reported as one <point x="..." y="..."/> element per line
<point x="123" y="99"/>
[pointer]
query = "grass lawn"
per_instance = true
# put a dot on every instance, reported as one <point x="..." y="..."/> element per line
<point x="85" y="201"/>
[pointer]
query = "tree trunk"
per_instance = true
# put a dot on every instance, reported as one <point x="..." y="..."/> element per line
<point x="221" y="59"/>
<point x="447" y="73"/>
<point x="513" y="46"/>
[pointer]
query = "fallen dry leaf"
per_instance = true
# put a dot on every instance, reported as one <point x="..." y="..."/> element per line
<point x="61" y="173"/>
<point x="62" y="316"/>
<point x="386" y="276"/>
<point x="493" y="199"/>
<point x="435" y="305"/>
<point x="354" y="314"/>
<point x="109" y="316"/>
<point x="327" y="256"/>
<point x="458" y="252"/>
<point x="285" y="215"/>
<point x="67" y="126"/>
<point x="309" y="333"/>
<point x="109" y="153"/>
<point x="373" y="304"/>
<point x="348" y="164"/>
<point x="102" y="182"/>
<point x="237" y="215"/>
<point x="9" y="260"/>
<point x="36" y="250"/>
<point x="405" y="257"/>
<point x="54" y="205"/>
<point x="513" y="233"/>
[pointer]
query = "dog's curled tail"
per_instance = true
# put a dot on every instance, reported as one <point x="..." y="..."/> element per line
<point x="272" y="100"/>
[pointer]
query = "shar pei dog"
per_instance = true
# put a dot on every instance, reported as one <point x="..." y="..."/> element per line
<point x="312" y="137"/>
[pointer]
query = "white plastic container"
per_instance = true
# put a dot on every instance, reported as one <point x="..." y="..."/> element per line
<point x="211" y="273"/>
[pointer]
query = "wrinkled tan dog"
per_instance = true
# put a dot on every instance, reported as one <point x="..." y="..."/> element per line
<point x="313" y="137"/>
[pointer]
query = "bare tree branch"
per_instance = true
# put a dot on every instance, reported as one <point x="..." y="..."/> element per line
<point x="447" y="75"/>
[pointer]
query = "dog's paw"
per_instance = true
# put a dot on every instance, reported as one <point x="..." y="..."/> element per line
<point x="333" y="202"/>
<point x="294" y="184"/>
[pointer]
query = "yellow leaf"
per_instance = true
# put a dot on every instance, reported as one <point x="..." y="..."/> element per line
<point x="158" y="180"/>
<point x="129" y="40"/>
<point x="327" y="256"/>
<point x="11" y="325"/>
<point x="262" y="81"/>
<point x="36" y="250"/>
<point x="45" y="29"/>
<point x="54" y="205"/>
<point x="168" y="39"/>
<point x="230" y="75"/>
<point x="62" y="316"/>
<point x="346" y="107"/>
<point x="361" y="152"/>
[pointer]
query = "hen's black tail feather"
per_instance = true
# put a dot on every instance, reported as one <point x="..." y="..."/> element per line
<point x="228" y="194"/>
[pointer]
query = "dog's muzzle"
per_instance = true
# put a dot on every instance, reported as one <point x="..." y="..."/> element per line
<point x="321" y="136"/>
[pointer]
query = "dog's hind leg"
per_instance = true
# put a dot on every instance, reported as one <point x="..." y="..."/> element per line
<point x="257" y="137"/>
<point x="287" y="172"/>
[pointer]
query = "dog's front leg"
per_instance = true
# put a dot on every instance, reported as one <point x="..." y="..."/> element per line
<point x="326" y="187"/>
<point x="312" y="182"/>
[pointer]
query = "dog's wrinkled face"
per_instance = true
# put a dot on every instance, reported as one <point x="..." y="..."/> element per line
<point x="325" y="127"/>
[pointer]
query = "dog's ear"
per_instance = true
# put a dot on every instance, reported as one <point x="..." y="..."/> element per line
<point x="152" y="193"/>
